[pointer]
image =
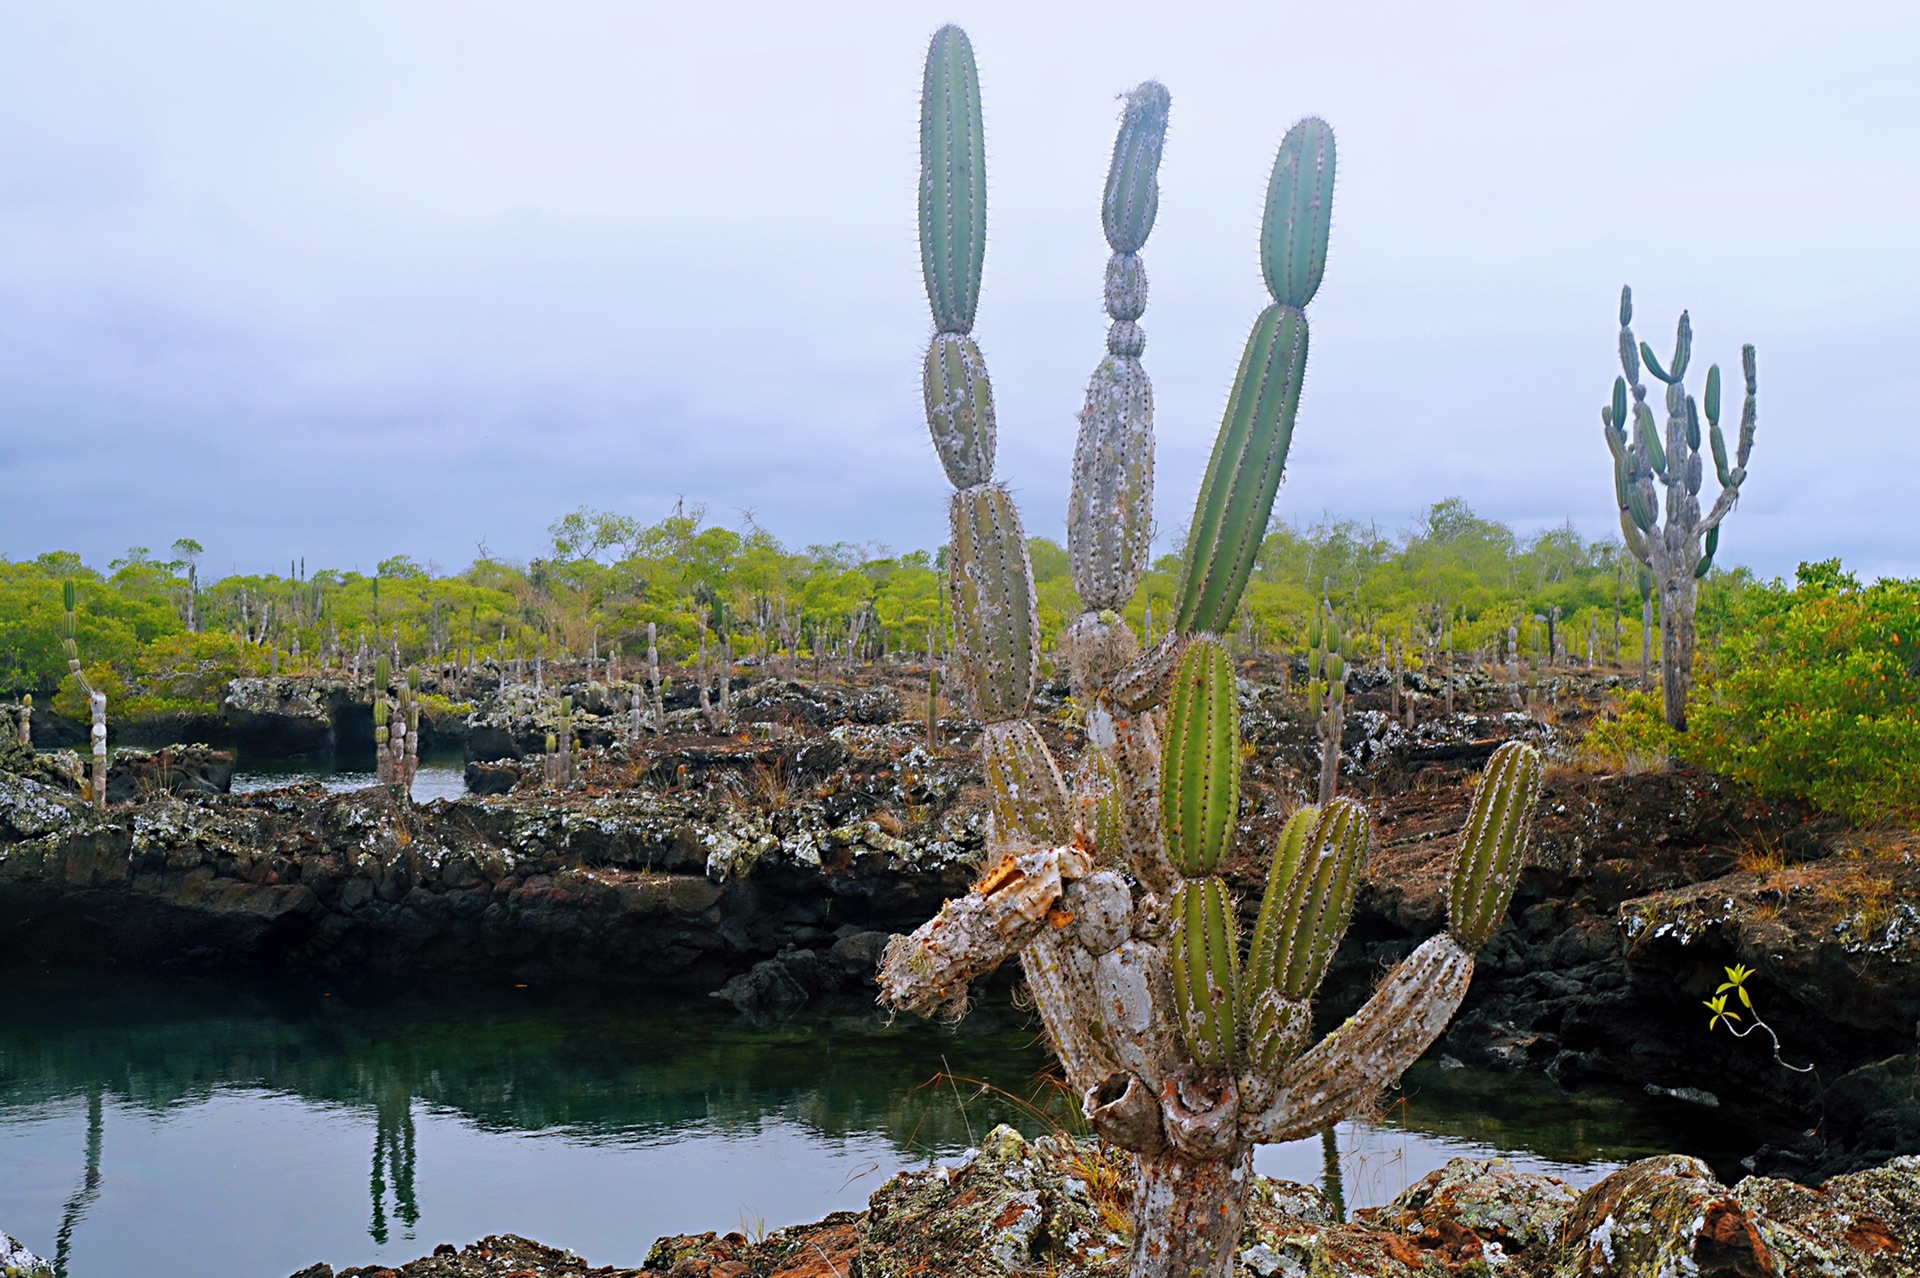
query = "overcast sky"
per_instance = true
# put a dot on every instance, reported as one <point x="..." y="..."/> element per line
<point x="343" y="280"/>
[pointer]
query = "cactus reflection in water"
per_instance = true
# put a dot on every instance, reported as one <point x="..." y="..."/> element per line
<point x="1184" y="1049"/>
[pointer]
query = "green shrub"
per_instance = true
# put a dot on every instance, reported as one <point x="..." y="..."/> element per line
<point x="1814" y="692"/>
<point x="1632" y="736"/>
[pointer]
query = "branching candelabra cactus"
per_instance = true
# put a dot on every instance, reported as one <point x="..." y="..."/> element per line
<point x="1677" y="548"/>
<point x="1185" y="1047"/>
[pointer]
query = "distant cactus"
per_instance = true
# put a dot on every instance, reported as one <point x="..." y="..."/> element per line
<point x="1677" y="547"/>
<point x="1186" y="1046"/>
<point x="382" y="722"/>
<point x="96" y="703"/>
<point x="1327" y="692"/>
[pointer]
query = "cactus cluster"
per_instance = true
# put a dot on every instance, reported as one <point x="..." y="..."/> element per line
<point x="1677" y="545"/>
<point x="1186" y="1045"/>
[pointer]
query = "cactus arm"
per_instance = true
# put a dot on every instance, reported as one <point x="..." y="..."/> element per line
<point x="1132" y="196"/>
<point x="1137" y="757"/>
<point x="1299" y="213"/>
<point x="1243" y="475"/>
<point x="931" y="968"/>
<point x="1200" y="781"/>
<point x="1145" y="683"/>
<point x="1730" y="481"/>
<point x="959" y="403"/>
<point x="1346" y="1070"/>
<point x="1063" y="979"/>
<point x="1250" y="453"/>
<point x="1135" y="983"/>
<point x="1206" y="969"/>
<point x="953" y="181"/>
<point x="1110" y="510"/>
<point x="995" y="609"/>
<point x="1028" y="799"/>
<point x="1486" y="864"/>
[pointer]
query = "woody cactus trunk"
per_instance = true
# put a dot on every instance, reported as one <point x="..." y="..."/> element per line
<point x="1186" y="1047"/>
<point x="1677" y="547"/>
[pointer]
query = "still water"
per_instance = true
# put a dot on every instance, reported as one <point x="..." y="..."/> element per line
<point x="441" y="776"/>
<point x="164" y="1126"/>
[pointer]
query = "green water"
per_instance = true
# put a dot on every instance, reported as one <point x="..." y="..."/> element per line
<point x="163" y="1126"/>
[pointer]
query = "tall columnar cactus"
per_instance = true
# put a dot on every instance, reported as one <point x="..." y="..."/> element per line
<point x="1677" y="546"/>
<point x="1186" y="1046"/>
<point x="1327" y="692"/>
<point x="382" y="723"/>
<point x="96" y="702"/>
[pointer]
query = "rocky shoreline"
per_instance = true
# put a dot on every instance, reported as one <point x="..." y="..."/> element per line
<point x="1056" y="1206"/>
<point x="768" y="865"/>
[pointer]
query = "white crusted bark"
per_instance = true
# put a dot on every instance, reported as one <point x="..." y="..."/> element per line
<point x="1341" y="1075"/>
<point x="931" y="969"/>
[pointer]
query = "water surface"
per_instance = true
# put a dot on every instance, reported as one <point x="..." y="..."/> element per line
<point x="165" y="1126"/>
<point x="441" y="775"/>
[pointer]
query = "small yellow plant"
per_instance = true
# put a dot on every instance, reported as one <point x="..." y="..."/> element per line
<point x="1736" y="983"/>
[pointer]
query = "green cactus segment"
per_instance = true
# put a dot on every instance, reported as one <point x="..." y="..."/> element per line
<point x="1125" y="289"/>
<point x="382" y="712"/>
<point x="1309" y="898"/>
<point x="1200" y="778"/>
<point x="1648" y="437"/>
<point x="1278" y="1030"/>
<point x="1206" y="962"/>
<point x="68" y="596"/>
<point x="1249" y="456"/>
<point x="382" y="674"/>
<point x="1110" y="510"/>
<point x="1100" y="804"/>
<point x="1711" y="401"/>
<point x="996" y="615"/>
<point x="960" y="408"/>
<point x="1283" y="878"/>
<point x="1294" y="232"/>
<point x="1705" y="565"/>
<point x="1027" y="797"/>
<point x="953" y="181"/>
<point x="1487" y="862"/>
<point x="1682" y="347"/>
<point x="1133" y="179"/>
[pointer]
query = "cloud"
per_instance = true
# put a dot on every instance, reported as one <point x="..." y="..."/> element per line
<point x="348" y="281"/>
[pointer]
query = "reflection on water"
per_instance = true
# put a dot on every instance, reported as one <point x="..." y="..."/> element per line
<point x="441" y="776"/>
<point x="257" y="1128"/>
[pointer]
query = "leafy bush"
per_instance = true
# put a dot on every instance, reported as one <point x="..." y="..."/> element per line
<point x="1633" y="736"/>
<point x="1814" y="692"/>
<point x="1810" y="692"/>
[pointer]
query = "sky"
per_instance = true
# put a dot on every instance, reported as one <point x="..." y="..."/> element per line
<point x="339" y="281"/>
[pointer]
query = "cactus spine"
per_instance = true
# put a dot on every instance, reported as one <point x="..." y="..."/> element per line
<point x="1676" y="545"/>
<point x="1186" y="1048"/>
